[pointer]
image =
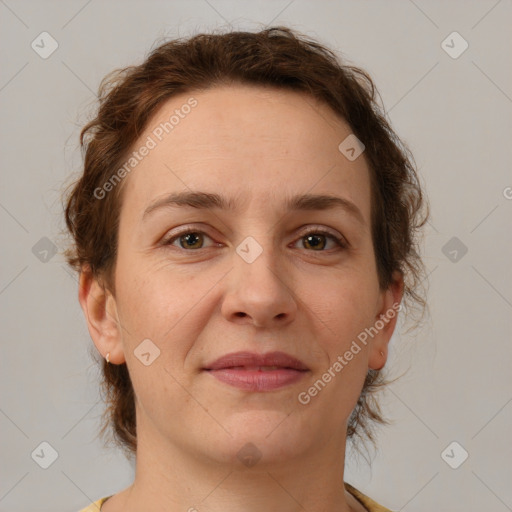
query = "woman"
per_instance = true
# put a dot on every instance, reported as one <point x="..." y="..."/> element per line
<point x="244" y="229"/>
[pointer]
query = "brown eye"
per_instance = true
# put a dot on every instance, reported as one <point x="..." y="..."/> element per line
<point x="191" y="241"/>
<point x="317" y="241"/>
<point x="187" y="240"/>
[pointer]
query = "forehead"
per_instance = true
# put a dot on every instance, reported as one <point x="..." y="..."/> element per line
<point x="256" y="142"/>
<point x="240" y="118"/>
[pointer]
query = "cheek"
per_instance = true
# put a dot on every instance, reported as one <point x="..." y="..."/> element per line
<point x="168" y="307"/>
<point x="344" y="311"/>
<point x="343" y="302"/>
<point x="152" y="309"/>
<point x="147" y="298"/>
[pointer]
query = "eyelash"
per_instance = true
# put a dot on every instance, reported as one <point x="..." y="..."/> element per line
<point x="340" y="242"/>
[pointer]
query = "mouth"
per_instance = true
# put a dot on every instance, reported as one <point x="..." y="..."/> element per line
<point x="257" y="372"/>
<point x="256" y="368"/>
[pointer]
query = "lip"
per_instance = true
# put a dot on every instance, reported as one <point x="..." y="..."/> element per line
<point x="244" y="370"/>
<point x="251" y="359"/>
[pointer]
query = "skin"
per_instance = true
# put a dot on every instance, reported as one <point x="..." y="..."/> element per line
<point x="257" y="146"/>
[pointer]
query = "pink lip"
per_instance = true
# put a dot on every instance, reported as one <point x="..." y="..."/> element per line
<point x="244" y="370"/>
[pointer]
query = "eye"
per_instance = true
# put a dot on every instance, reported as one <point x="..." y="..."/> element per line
<point x="317" y="240"/>
<point x="314" y="239"/>
<point x="188" y="240"/>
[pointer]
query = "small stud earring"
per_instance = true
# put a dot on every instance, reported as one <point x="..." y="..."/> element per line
<point x="107" y="357"/>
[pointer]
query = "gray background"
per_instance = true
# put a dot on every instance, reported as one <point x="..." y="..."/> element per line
<point x="456" y="116"/>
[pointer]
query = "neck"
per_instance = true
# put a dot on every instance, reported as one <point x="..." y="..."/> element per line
<point x="175" y="479"/>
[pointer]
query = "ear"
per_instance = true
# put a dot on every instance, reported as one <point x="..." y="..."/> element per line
<point x="100" y="310"/>
<point x="385" y="321"/>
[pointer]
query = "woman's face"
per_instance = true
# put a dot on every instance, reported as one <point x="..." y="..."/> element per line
<point x="260" y="273"/>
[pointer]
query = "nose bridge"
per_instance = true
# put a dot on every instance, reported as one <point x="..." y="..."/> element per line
<point x="259" y="288"/>
<point x="257" y="259"/>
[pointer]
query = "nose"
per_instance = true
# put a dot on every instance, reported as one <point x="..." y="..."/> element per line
<point x="260" y="292"/>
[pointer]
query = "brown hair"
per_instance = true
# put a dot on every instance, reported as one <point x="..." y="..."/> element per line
<point x="276" y="57"/>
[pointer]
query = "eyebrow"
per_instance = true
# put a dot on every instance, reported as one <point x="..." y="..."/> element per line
<point x="206" y="201"/>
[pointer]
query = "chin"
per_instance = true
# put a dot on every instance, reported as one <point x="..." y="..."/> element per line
<point x="263" y="438"/>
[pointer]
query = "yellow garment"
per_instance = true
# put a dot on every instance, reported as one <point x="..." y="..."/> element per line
<point x="371" y="506"/>
<point x="367" y="502"/>
<point x="95" y="507"/>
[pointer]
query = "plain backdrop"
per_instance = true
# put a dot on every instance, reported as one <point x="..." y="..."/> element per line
<point x="452" y="107"/>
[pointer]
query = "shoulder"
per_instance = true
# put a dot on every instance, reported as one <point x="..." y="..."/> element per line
<point x="95" y="507"/>
<point x="368" y="503"/>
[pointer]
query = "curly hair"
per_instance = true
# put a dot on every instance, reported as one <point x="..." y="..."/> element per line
<point x="277" y="57"/>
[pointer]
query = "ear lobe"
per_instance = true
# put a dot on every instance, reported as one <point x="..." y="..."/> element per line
<point x="100" y="312"/>
<point x="385" y="322"/>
